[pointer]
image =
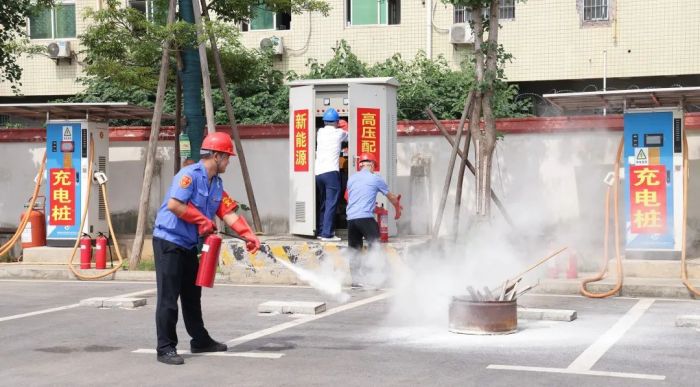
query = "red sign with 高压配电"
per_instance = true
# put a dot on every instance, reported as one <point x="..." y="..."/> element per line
<point x="368" y="129"/>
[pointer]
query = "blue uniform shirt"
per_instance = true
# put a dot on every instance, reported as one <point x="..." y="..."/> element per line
<point x="191" y="184"/>
<point x="363" y="187"/>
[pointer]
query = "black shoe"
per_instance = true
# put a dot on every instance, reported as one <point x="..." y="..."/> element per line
<point x="171" y="358"/>
<point x="215" y="346"/>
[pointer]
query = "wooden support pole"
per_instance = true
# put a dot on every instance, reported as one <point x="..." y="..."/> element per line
<point x="204" y="66"/>
<point x="450" y="168"/>
<point x="470" y="166"/>
<point x="234" y="127"/>
<point x="135" y="255"/>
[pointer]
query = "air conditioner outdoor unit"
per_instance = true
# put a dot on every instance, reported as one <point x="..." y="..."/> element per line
<point x="59" y="49"/>
<point x="461" y="33"/>
<point x="274" y="42"/>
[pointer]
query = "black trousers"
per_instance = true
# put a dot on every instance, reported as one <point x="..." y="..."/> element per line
<point x="176" y="271"/>
<point x="364" y="227"/>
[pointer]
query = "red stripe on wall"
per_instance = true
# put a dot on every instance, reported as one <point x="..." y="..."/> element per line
<point x="405" y="128"/>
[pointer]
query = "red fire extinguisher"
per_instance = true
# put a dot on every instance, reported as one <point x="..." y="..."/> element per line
<point x="383" y="222"/>
<point x="101" y="251"/>
<point x="85" y="251"/>
<point x="34" y="233"/>
<point x="208" y="261"/>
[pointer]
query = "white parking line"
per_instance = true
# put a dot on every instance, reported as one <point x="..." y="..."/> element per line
<point x="280" y="327"/>
<point x="291" y="324"/>
<point x="38" y="312"/>
<point x="255" y="355"/>
<point x="71" y="306"/>
<point x="592" y="354"/>
<point x="585" y="361"/>
<point x="576" y="372"/>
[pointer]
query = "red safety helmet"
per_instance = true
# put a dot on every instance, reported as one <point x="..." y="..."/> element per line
<point x="368" y="157"/>
<point x="342" y="124"/>
<point x="218" y="142"/>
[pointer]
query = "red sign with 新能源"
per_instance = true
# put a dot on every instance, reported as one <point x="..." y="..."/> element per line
<point x="301" y="140"/>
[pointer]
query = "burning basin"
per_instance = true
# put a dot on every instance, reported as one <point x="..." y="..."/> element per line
<point x="482" y="317"/>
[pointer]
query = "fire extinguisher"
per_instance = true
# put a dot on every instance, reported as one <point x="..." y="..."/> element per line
<point x="101" y="251"/>
<point x="383" y="222"/>
<point x="208" y="261"/>
<point x="34" y="233"/>
<point x="85" y="251"/>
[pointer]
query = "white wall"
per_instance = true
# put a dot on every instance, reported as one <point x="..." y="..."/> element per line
<point x="551" y="184"/>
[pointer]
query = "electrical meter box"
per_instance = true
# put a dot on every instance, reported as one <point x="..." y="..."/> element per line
<point x="653" y="190"/>
<point x="369" y="107"/>
<point x="70" y="147"/>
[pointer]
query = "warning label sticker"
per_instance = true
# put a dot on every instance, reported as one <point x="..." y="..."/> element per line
<point x="641" y="156"/>
<point x="67" y="133"/>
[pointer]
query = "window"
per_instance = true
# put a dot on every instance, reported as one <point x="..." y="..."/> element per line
<point x="506" y="10"/>
<point x="54" y="23"/>
<point x="143" y="6"/>
<point x="265" y="19"/>
<point x="373" y="12"/>
<point x="595" y="10"/>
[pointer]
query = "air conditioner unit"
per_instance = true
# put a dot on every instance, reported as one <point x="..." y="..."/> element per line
<point x="461" y="33"/>
<point x="273" y="42"/>
<point x="59" y="49"/>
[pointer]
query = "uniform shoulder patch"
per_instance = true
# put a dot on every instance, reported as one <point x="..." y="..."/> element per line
<point x="185" y="181"/>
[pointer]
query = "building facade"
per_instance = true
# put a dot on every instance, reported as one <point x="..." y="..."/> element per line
<point x="556" y="44"/>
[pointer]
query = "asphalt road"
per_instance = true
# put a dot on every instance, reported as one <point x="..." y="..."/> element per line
<point x="372" y="340"/>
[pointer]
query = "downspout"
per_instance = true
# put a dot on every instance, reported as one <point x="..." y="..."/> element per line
<point x="429" y="29"/>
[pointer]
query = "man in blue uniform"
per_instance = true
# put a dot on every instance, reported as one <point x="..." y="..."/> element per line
<point x="195" y="196"/>
<point x="363" y="188"/>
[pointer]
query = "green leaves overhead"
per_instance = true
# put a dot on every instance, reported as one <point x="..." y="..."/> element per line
<point x="13" y="36"/>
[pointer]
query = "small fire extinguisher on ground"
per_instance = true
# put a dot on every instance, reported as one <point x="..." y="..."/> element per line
<point x="85" y="251"/>
<point x="101" y="251"/>
<point x="383" y="222"/>
<point x="208" y="261"/>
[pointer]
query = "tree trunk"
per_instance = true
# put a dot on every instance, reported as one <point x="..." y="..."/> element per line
<point x="192" y="88"/>
<point x="136" y="248"/>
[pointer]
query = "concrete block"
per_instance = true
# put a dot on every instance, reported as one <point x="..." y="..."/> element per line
<point x="123" y="302"/>
<point x="688" y="321"/>
<point x="95" y="302"/>
<point x="546" y="314"/>
<point x="113" y="302"/>
<point x="292" y="307"/>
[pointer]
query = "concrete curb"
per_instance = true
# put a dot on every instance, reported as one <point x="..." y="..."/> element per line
<point x="547" y="314"/>
<point x="688" y="321"/>
<point x="292" y="307"/>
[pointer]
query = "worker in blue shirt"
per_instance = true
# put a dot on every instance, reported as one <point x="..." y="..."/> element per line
<point x="195" y="197"/>
<point x="362" y="191"/>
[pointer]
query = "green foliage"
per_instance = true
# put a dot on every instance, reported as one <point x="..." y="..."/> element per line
<point x="13" y="36"/>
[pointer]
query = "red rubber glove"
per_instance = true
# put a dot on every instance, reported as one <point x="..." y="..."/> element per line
<point x="205" y="226"/>
<point x="398" y="208"/>
<point x="243" y="229"/>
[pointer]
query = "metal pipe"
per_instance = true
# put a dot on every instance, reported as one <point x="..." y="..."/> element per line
<point x="605" y="77"/>
<point x="429" y="29"/>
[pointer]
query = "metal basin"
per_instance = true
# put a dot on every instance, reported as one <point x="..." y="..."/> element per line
<point x="483" y="317"/>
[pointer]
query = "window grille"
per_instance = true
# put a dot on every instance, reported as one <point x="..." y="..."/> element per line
<point x="595" y="10"/>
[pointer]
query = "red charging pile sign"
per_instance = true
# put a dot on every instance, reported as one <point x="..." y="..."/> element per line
<point x="62" y="196"/>
<point x="648" y="199"/>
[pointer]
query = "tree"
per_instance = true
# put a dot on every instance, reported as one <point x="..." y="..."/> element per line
<point x="13" y="36"/>
<point x="488" y="59"/>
